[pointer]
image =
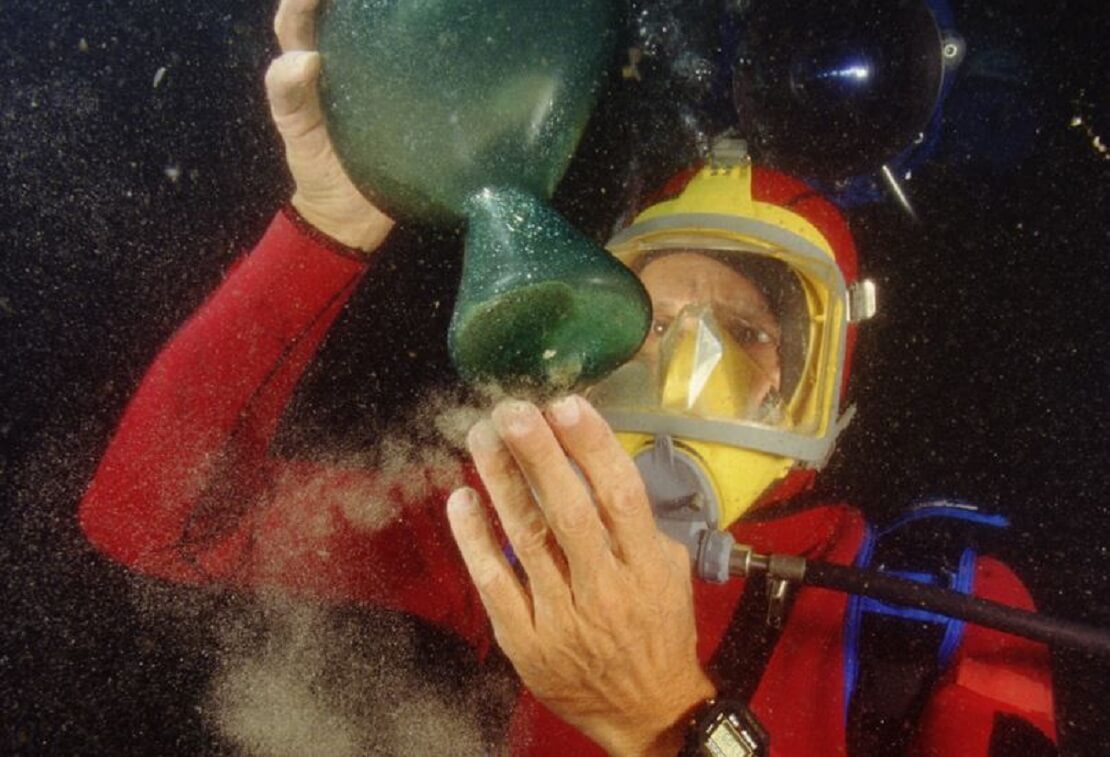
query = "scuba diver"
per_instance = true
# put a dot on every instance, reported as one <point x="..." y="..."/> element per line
<point x="727" y="411"/>
<point x="719" y="422"/>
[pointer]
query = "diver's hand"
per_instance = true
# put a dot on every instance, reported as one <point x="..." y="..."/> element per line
<point x="324" y="196"/>
<point x="603" y="631"/>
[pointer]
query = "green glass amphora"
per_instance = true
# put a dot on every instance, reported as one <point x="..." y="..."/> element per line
<point x="453" y="110"/>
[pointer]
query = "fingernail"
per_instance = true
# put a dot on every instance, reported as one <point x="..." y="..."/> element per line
<point x="516" y="417"/>
<point x="566" y="411"/>
<point x="461" y="501"/>
<point x="483" y="437"/>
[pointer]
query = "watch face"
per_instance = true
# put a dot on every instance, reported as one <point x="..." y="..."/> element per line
<point x="728" y="737"/>
<point x="730" y="729"/>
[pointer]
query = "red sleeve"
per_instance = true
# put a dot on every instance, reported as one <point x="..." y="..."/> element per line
<point x="994" y="677"/>
<point x="187" y="490"/>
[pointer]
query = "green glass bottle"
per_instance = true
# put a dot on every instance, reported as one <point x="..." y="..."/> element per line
<point x="451" y="110"/>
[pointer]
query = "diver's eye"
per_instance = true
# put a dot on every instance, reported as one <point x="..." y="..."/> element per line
<point x="745" y="333"/>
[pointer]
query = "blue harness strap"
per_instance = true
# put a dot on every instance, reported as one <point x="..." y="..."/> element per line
<point x="959" y="580"/>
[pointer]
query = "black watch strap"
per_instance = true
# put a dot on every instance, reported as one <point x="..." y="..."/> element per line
<point x="725" y="728"/>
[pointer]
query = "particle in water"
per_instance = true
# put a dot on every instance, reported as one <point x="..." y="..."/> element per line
<point x="632" y="70"/>
<point x="172" y="172"/>
<point x="159" y="75"/>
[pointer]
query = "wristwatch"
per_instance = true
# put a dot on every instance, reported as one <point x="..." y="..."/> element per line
<point x="725" y="728"/>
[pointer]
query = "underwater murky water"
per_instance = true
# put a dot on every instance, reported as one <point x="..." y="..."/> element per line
<point x="139" y="162"/>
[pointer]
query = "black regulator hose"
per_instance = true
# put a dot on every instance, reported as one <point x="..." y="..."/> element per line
<point x="900" y="591"/>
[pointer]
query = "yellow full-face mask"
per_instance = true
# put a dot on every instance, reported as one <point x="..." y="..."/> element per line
<point x="739" y="381"/>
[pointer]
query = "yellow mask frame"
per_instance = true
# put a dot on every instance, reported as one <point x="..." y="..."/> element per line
<point x="716" y="212"/>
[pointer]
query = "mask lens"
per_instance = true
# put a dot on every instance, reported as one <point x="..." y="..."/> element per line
<point x="692" y="365"/>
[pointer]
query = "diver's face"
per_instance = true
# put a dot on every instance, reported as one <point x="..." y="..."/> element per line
<point x="681" y="279"/>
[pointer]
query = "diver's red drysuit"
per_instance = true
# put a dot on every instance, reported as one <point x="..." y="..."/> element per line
<point x="187" y="491"/>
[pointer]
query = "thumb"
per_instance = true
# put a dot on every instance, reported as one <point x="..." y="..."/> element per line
<point x="291" y="88"/>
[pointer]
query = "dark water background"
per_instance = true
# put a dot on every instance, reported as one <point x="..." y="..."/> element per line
<point x="122" y="203"/>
